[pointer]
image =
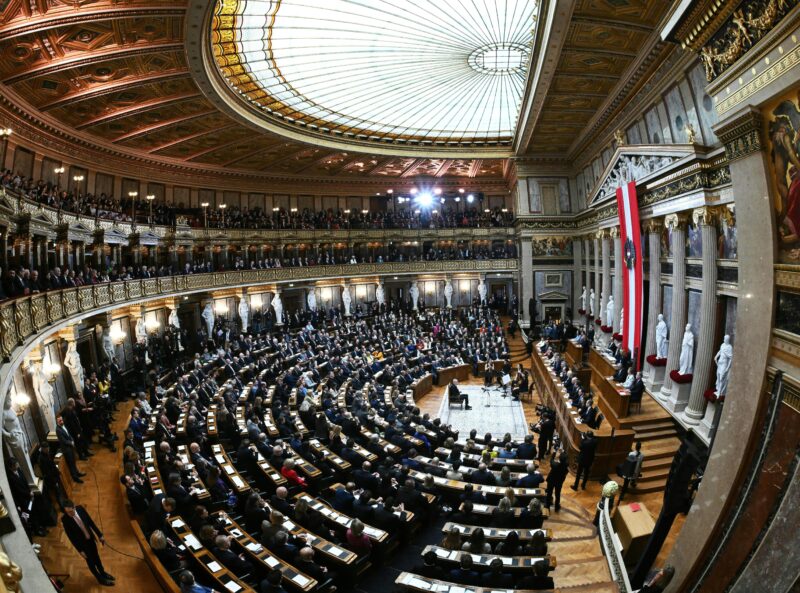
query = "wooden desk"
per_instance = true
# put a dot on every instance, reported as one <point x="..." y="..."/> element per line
<point x="339" y="520"/>
<point x="487" y="509"/>
<point x="422" y="386"/>
<point x="634" y="529"/>
<point x="329" y="456"/>
<point x="223" y="578"/>
<point x="457" y="487"/>
<point x="460" y="372"/>
<point x="516" y="564"/>
<point x="237" y="482"/>
<point x="573" y="354"/>
<point x="415" y="582"/>
<point x="495" y="533"/>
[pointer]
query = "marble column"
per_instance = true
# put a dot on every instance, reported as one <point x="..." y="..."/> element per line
<point x="677" y="224"/>
<point x="587" y="276"/>
<point x="704" y="218"/>
<point x="605" y="287"/>
<point x="618" y="299"/>
<point x="653" y="228"/>
<point x="598" y="282"/>
<point x="577" y="275"/>
<point x="526" y="279"/>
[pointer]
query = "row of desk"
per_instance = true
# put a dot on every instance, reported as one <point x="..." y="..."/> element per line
<point x="612" y="446"/>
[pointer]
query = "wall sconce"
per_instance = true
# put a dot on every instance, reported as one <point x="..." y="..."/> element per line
<point x="152" y="325"/>
<point x="117" y="335"/>
<point x="221" y="307"/>
<point x="20" y="401"/>
<point x="78" y="178"/>
<point x="51" y="370"/>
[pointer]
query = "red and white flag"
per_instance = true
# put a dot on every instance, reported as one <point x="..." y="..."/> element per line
<point x="632" y="275"/>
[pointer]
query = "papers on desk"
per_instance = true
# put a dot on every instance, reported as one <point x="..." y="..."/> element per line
<point x="214" y="566"/>
<point x="506" y="560"/>
<point x="442" y="553"/>
<point x="192" y="541"/>
<point x="178" y="523"/>
<point x="271" y="561"/>
<point x="220" y="458"/>
<point x="418" y="583"/>
<point x="228" y="469"/>
<point x="236" y="533"/>
<point x="238" y="481"/>
<point x="300" y="580"/>
<point x="232" y="586"/>
<point x="336" y="551"/>
<point x="254" y="547"/>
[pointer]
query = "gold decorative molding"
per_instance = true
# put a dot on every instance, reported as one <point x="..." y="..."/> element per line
<point x="10" y="573"/>
<point x="742" y="136"/>
<point x="653" y="226"/>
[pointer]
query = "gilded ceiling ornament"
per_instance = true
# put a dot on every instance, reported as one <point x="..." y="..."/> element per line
<point x="619" y="136"/>
<point x="691" y="134"/>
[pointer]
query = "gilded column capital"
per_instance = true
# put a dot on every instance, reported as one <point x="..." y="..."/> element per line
<point x="705" y="216"/>
<point x="10" y="573"/>
<point x="653" y="226"/>
<point x="613" y="232"/>
<point x="742" y="135"/>
<point x="676" y="220"/>
<point x="601" y="234"/>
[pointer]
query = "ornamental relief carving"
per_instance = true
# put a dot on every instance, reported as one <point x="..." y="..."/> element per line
<point x="630" y="168"/>
<point x="746" y="26"/>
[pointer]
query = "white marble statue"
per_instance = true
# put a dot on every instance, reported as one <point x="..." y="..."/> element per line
<point x="723" y="360"/>
<point x="414" y="292"/>
<point x="687" y="351"/>
<point x="44" y="394"/>
<point x="72" y="361"/>
<point x="583" y="299"/>
<point x="141" y="331"/>
<point x="108" y="344"/>
<point x="244" y="313"/>
<point x="380" y="295"/>
<point x="482" y="291"/>
<point x="448" y="293"/>
<point x="277" y="306"/>
<point x="661" y="337"/>
<point x="208" y="317"/>
<point x="175" y="323"/>
<point x="591" y="302"/>
<point x="610" y="312"/>
<point x="312" y="300"/>
<point x="14" y="439"/>
<point x="347" y="300"/>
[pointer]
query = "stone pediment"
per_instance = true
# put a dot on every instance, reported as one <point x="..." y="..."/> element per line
<point x="553" y="295"/>
<point x="641" y="163"/>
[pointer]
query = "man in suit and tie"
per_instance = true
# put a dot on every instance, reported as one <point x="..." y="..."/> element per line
<point x="454" y="394"/>
<point x="67" y="445"/>
<point x="637" y="389"/>
<point x="83" y="533"/>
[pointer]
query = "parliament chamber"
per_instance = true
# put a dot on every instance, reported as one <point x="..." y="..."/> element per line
<point x="394" y="296"/>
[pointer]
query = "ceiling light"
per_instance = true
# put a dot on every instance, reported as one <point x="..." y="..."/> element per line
<point x="425" y="199"/>
<point x="413" y="191"/>
<point x="461" y="190"/>
<point x="470" y="198"/>
<point x="389" y="191"/>
<point x="458" y="199"/>
<point x="437" y="191"/>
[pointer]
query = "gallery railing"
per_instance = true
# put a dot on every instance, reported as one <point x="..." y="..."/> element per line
<point x="23" y="317"/>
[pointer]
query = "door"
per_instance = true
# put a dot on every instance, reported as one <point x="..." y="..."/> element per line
<point x="553" y="312"/>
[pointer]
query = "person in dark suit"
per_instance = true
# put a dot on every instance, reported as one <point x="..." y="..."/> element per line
<point x="585" y="459"/>
<point x="137" y="497"/>
<point x="539" y="580"/>
<point x="637" y="389"/>
<point x="453" y="393"/>
<point x="83" y="534"/>
<point x="559" y="468"/>
<point x="237" y="563"/>
<point x="67" y="446"/>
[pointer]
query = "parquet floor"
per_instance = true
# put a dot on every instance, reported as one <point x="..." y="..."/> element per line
<point x="101" y="495"/>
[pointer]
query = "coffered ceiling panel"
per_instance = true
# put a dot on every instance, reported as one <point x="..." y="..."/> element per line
<point x="117" y="73"/>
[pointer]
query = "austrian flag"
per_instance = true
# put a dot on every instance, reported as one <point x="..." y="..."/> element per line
<point x="632" y="275"/>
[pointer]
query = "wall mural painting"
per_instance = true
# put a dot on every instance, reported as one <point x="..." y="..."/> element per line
<point x="694" y="241"/>
<point x="693" y="315"/>
<point x="726" y="235"/>
<point x="558" y="246"/>
<point x="666" y="242"/>
<point x="787" y="316"/>
<point x="782" y="120"/>
<point x="666" y="307"/>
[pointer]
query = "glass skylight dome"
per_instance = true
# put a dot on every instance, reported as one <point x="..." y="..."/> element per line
<point x="401" y="71"/>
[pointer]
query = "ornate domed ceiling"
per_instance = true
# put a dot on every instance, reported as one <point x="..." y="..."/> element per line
<point x="118" y="75"/>
<point x="382" y="72"/>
